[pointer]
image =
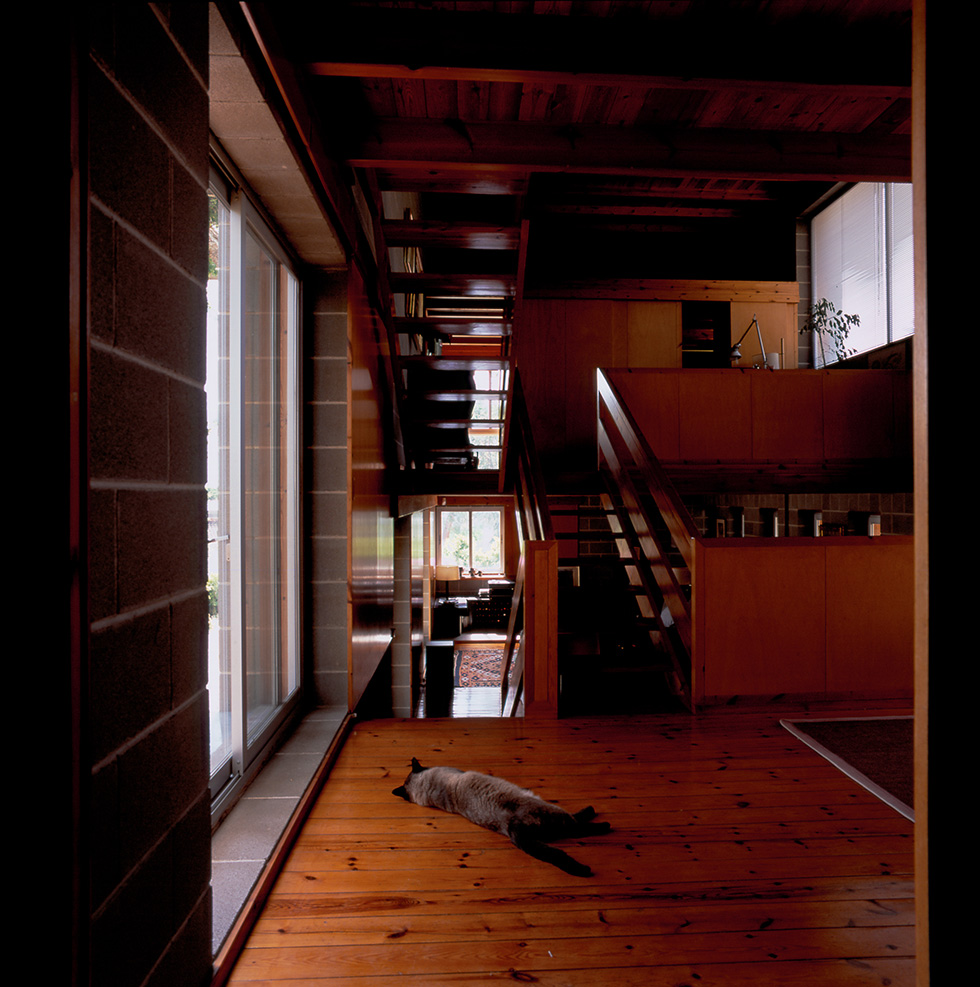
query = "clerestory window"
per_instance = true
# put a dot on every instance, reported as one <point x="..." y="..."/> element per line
<point x="861" y="256"/>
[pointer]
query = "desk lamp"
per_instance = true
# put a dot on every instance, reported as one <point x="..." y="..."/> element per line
<point x="737" y="353"/>
<point x="446" y="573"/>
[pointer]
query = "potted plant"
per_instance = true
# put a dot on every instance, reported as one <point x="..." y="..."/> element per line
<point x="825" y="319"/>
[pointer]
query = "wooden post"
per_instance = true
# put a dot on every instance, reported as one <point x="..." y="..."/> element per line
<point x="541" y="629"/>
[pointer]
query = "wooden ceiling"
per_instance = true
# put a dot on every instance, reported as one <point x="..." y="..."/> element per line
<point x="571" y="146"/>
<point x="589" y="118"/>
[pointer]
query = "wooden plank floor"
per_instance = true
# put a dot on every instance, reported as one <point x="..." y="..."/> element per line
<point x="738" y="856"/>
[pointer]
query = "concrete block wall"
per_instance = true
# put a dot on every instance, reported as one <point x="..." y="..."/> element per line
<point x="895" y="509"/>
<point x="326" y="476"/>
<point x="804" y="354"/>
<point x="147" y="813"/>
<point x="581" y="528"/>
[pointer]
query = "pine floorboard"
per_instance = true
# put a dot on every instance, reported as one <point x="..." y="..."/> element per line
<point x="737" y="856"/>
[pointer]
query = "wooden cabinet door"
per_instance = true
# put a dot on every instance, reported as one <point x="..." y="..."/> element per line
<point x="777" y="320"/>
<point x="653" y="334"/>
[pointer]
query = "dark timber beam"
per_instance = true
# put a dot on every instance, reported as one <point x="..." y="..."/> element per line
<point x="518" y="147"/>
<point x="535" y="77"/>
<point x="467" y="236"/>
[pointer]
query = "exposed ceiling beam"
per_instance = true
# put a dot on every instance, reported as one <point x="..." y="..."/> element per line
<point x="468" y="181"/>
<point x="629" y="211"/>
<point x="547" y="78"/>
<point x="520" y="147"/>
<point x="573" y="188"/>
<point x="667" y="290"/>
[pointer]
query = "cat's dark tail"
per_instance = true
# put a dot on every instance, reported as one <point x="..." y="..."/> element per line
<point x="549" y="854"/>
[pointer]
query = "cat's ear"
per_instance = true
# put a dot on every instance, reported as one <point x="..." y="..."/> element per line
<point x="416" y="767"/>
<point x="401" y="793"/>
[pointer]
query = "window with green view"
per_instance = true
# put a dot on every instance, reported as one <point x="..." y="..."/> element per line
<point x="472" y="539"/>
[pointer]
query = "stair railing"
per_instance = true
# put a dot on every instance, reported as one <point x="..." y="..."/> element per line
<point x="530" y="667"/>
<point x="661" y="533"/>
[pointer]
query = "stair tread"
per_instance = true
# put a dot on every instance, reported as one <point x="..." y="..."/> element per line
<point x="466" y="285"/>
<point x="446" y="233"/>
<point x="463" y="326"/>
<point x="447" y="394"/>
<point x="457" y="362"/>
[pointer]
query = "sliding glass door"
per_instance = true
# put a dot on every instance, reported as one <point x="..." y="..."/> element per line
<point x="252" y="394"/>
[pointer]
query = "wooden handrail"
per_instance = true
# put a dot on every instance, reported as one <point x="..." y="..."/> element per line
<point x="663" y="575"/>
<point x="529" y="483"/>
<point x="378" y="280"/>
<point x="533" y="625"/>
<point x="513" y="658"/>
<point x="620" y="438"/>
<point x="802" y="602"/>
<point x="539" y="640"/>
<point x="678" y="518"/>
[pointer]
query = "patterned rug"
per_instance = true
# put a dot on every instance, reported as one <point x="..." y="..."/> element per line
<point x="475" y="667"/>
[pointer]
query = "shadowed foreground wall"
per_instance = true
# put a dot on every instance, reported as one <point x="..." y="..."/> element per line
<point x="372" y="529"/>
<point x="144" y="816"/>
<point x="327" y="480"/>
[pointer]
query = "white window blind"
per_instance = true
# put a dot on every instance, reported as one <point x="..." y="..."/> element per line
<point x="861" y="255"/>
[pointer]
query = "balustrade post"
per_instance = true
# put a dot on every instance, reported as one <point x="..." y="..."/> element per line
<point x="541" y="629"/>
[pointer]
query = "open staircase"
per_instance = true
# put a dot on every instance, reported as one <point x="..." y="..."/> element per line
<point x="655" y="536"/>
<point x="449" y="333"/>
<point x="613" y="654"/>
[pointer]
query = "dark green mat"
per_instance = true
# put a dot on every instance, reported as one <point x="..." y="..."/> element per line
<point x="875" y="752"/>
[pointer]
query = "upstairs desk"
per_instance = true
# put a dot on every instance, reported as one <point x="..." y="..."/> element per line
<point x="488" y="610"/>
<point x="450" y="616"/>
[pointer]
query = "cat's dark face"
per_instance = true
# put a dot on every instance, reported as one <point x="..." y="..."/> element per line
<point x="403" y="791"/>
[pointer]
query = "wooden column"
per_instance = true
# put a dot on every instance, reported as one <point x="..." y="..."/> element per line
<point x="944" y="399"/>
<point x="541" y="629"/>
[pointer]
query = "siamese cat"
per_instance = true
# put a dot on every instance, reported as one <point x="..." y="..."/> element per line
<point x="528" y="821"/>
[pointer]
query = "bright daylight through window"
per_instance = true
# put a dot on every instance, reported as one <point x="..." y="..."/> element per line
<point x="861" y="254"/>
<point x="472" y="540"/>
<point x="252" y="481"/>
<point x="487" y="418"/>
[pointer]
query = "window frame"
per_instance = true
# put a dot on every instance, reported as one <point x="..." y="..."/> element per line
<point x="861" y="260"/>
<point x="470" y="511"/>
<point x="249" y="744"/>
<point x="486" y="434"/>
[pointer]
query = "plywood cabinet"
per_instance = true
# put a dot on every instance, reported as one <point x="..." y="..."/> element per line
<point x="653" y="334"/>
<point x="760" y="618"/>
<point x="560" y="341"/>
<point x="777" y="320"/>
<point x="804" y="416"/>
<point x="813" y="616"/>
